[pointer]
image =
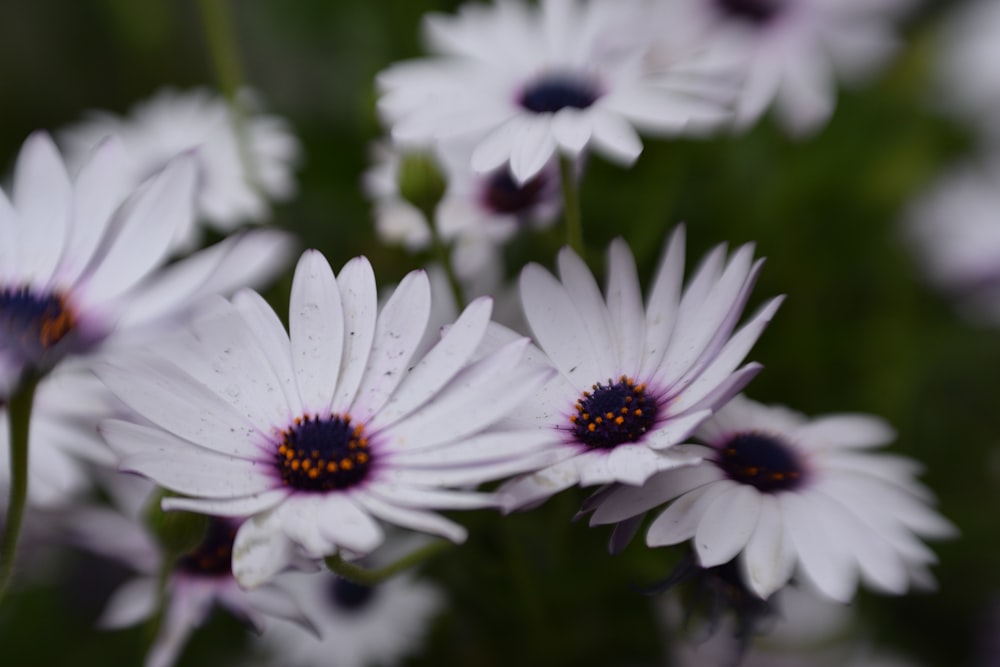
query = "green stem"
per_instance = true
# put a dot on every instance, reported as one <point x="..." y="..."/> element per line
<point x="571" y="205"/>
<point x="224" y="53"/>
<point x="162" y="579"/>
<point x="367" y="577"/>
<point x="444" y="257"/>
<point x="19" y="416"/>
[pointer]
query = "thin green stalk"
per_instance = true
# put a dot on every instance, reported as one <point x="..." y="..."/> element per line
<point x="156" y="620"/>
<point x="224" y="53"/>
<point x="444" y="257"/>
<point x="571" y="205"/>
<point x="372" y="577"/>
<point x="19" y="416"/>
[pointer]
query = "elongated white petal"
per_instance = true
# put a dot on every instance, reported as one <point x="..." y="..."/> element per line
<point x="625" y="307"/>
<point x="768" y="559"/>
<point x="415" y="519"/>
<point x="260" y="550"/>
<point x="727" y="525"/>
<point x="316" y="331"/>
<point x="359" y="300"/>
<point x="679" y="521"/>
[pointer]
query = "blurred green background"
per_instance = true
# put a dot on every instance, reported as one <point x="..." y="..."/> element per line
<point x="860" y="331"/>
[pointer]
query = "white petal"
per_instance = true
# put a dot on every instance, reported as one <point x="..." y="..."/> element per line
<point x="675" y="429"/>
<point x="571" y="129"/>
<point x="615" y="137"/>
<point x="426" y="522"/>
<point x="134" y="601"/>
<point x="260" y="551"/>
<point x="627" y="501"/>
<point x="439" y="365"/>
<point x="625" y="307"/>
<point x="634" y="464"/>
<point x="175" y="401"/>
<point x="182" y="467"/>
<point x="41" y="195"/>
<point x="558" y="326"/>
<point x="231" y="507"/>
<point x="584" y="293"/>
<point x="727" y="525"/>
<point x="142" y="242"/>
<point x="359" y="300"/>
<point x="663" y="302"/>
<point x="272" y="339"/>
<point x="530" y="490"/>
<point x="533" y="148"/>
<point x="316" y="331"/>
<point x="101" y="186"/>
<point x="398" y="332"/>
<point x="847" y="431"/>
<point x="768" y="559"/>
<point x="822" y="559"/>
<point x="679" y="521"/>
<point x="495" y="149"/>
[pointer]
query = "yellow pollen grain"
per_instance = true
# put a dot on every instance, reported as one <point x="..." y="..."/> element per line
<point x="331" y="466"/>
<point x="295" y="464"/>
<point x="609" y="415"/>
<point x="637" y="412"/>
<point x="362" y="458"/>
<point x="591" y="428"/>
<point x="314" y="473"/>
<point x="346" y="464"/>
<point x="619" y="420"/>
<point x="306" y="464"/>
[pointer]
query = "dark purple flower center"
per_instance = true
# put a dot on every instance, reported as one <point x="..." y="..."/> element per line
<point x="350" y="596"/>
<point x="33" y="322"/>
<point x="553" y="92"/>
<point x="320" y="455"/>
<point x="757" y="12"/>
<point x="763" y="461"/>
<point x="214" y="556"/>
<point x="502" y="194"/>
<point x="614" y="413"/>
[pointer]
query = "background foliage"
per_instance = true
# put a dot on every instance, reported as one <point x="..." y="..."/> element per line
<point x="860" y="331"/>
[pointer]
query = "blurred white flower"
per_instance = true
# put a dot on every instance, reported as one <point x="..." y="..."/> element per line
<point x="83" y="262"/>
<point x="967" y="81"/>
<point x="953" y="228"/>
<point x="197" y="582"/>
<point x="791" y="52"/>
<point x="784" y="495"/>
<point x="524" y="82"/>
<point x="234" y="182"/>
<point x="358" y="625"/>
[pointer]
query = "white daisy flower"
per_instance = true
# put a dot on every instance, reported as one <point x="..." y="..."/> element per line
<point x="317" y="434"/>
<point x="358" y="625"/>
<point x="172" y="122"/>
<point x="525" y="82"/>
<point x="198" y="582"/>
<point x="633" y="380"/>
<point x="966" y="78"/>
<point x="954" y="229"/>
<point x="397" y="221"/>
<point x="68" y="405"/>
<point x="783" y="493"/>
<point x="82" y="262"/>
<point x="792" y="51"/>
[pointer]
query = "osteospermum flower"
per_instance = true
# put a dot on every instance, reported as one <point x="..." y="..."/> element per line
<point x="792" y="51"/>
<point x="954" y="229"/>
<point x="357" y="625"/>
<point x="235" y="183"/>
<point x="196" y="584"/>
<point x="82" y="262"/>
<point x="525" y="82"/>
<point x="634" y="380"/>
<point x="315" y="434"/>
<point x="786" y="494"/>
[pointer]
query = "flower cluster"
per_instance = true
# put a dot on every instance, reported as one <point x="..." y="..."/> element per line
<point x="185" y="427"/>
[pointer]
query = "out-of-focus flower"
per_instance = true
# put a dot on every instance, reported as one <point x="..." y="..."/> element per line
<point x="82" y="262"/>
<point x="954" y="229"/>
<point x="787" y="494"/>
<point x="242" y="162"/>
<point x="804" y="629"/>
<point x="198" y="581"/>
<point x="68" y="405"/>
<point x="317" y="434"/>
<point x="633" y="380"/>
<point x="967" y="82"/>
<point x="526" y="82"/>
<point x="791" y="52"/>
<point x="358" y="625"/>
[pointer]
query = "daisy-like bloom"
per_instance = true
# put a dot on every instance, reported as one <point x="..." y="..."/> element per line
<point x="953" y="228"/>
<point x="68" y="405"/>
<point x="967" y="82"/>
<point x="786" y="494"/>
<point x="634" y="380"/>
<point x="357" y="625"/>
<point x="524" y="82"/>
<point x="792" y="51"/>
<point x="315" y="433"/>
<point x="234" y="183"/>
<point x="198" y="582"/>
<point x="82" y="262"/>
